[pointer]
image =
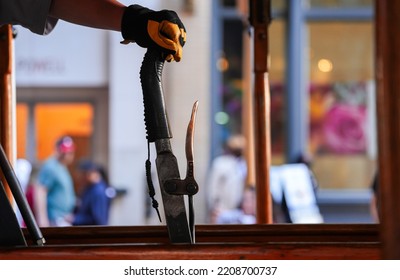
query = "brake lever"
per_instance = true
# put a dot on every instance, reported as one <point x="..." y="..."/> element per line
<point x="172" y="187"/>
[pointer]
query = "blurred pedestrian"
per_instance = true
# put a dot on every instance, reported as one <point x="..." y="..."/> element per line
<point x="245" y="213"/>
<point x="54" y="193"/>
<point x="94" y="203"/>
<point x="227" y="178"/>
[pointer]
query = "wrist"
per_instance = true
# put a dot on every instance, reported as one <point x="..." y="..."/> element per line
<point x="132" y="22"/>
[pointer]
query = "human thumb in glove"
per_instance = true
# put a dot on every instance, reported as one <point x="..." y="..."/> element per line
<point x="151" y="29"/>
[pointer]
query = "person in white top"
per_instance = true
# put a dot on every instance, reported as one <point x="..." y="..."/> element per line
<point x="227" y="178"/>
<point x="245" y="214"/>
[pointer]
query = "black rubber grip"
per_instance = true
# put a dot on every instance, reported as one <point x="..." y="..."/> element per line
<point x="155" y="114"/>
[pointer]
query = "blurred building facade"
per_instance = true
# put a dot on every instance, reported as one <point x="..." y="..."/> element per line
<point x="82" y="82"/>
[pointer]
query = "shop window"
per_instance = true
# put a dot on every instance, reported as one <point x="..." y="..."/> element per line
<point x="277" y="89"/>
<point x="50" y="121"/>
<point x="341" y="109"/>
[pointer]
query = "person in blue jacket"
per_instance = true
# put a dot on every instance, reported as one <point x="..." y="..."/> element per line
<point x="94" y="204"/>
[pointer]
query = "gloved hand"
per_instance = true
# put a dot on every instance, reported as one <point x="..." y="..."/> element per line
<point x="150" y="29"/>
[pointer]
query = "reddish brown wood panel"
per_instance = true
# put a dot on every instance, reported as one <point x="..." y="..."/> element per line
<point x="312" y="251"/>
<point x="260" y="18"/>
<point x="6" y="95"/>
<point x="214" y="234"/>
<point x="278" y="242"/>
<point x="388" y="85"/>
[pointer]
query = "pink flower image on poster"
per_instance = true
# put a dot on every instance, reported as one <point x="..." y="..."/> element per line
<point x="344" y="129"/>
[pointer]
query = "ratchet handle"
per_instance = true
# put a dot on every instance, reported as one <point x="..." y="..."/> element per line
<point x="155" y="114"/>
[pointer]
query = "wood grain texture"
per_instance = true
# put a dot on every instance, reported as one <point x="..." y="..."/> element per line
<point x="6" y="95"/>
<point x="299" y="251"/>
<point x="278" y="242"/>
<point x="387" y="67"/>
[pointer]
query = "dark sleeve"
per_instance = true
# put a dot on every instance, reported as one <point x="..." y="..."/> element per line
<point x="31" y="14"/>
<point x="100" y="207"/>
<point x="79" y="219"/>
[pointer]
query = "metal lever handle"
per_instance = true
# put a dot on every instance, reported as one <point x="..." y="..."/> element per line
<point x="155" y="114"/>
<point x="158" y="131"/>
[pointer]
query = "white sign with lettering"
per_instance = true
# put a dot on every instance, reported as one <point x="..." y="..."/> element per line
<point x="299" y="194"/>
<point x="70" y="55"/>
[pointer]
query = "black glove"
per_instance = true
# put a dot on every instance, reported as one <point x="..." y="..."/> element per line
<point x="150" y="29"/>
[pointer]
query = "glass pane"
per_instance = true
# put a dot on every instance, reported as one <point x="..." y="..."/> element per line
<point x="340" y="3"/>
<point x="277" y="89"/>
<point x="342" y="106"/>
<point x="230" y="64"/>
<point x="341" y="52"/>
<point x="278" y="4"/>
